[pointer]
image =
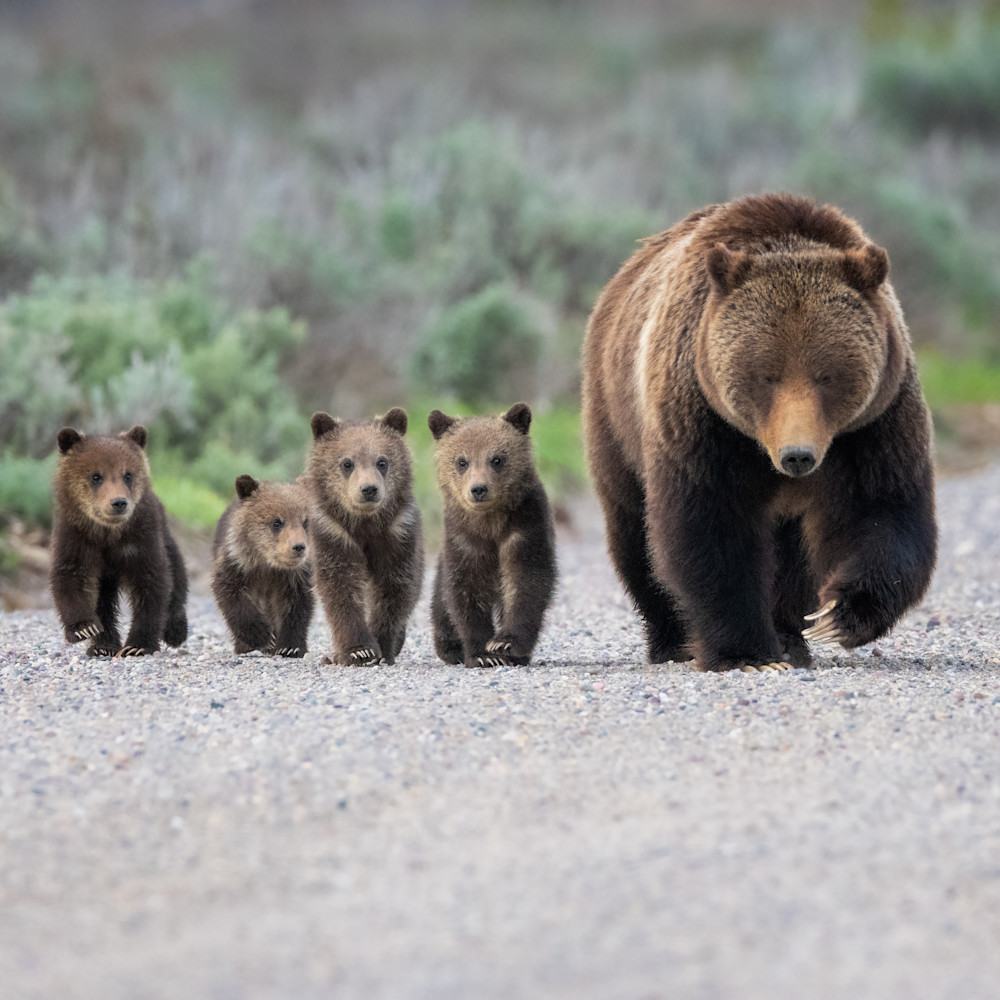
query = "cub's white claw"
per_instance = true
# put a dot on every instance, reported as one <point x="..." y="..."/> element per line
<point x="825" y="610"/>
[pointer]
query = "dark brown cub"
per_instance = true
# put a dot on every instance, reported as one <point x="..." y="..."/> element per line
<point x="369" y="555"/>
<point x="261" y="576"/>
<point x="110" y="535"/>
<point x="497" y="570"/>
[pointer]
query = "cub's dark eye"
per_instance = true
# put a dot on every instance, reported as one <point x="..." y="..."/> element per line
<point x="462" y="464"/>
<point x="96" y="478"/>
<point x="277" y="524"/>
<point x="305" y="524"/>
<point x="823" y="379"/>
<point x="128" y="478"/>
<point x="769" y="379"/>
<point x="497" y="461"/>
<point x="347" y="466"/>
<point x="382" y="465"/>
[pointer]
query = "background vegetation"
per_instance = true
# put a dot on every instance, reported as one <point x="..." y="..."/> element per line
<point x="218" y="218"/>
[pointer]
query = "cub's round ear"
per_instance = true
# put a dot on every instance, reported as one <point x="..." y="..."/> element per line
<point x="246" y="486"/>
<point x="322" y="423"/>
<point x="66" y="438"/>
<point x="519" y="416"/>
<point x="727" y="269"/>
<point x="137" y="434"/>
<point x="396" y="420"/>
<point x="866" y="269"/>
<point x="439" y="423"/>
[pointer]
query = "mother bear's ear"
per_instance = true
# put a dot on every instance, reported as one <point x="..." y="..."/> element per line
<point x="866" y="269"/>
<point x="728" y="269"/>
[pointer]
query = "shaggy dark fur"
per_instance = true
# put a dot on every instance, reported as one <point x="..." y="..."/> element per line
<point x="757" y="436"/>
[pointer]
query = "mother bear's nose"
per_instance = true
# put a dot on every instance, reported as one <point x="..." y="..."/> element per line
<point x="796" y="460"/>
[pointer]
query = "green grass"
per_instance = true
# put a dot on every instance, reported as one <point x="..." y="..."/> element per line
<point x="947" y="381"/>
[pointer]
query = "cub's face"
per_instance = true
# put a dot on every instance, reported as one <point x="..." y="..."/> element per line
<point x="360" y="468"/>
<point x="794" y="352"/>
<point x="103" y="477"/>
<point x="482" y="462"/>
<point x="271" y="526"/>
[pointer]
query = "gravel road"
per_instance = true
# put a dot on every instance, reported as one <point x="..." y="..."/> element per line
<point x="201" y="825"/>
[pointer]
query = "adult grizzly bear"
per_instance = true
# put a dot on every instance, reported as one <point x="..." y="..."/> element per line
<point x="757" y="436"/>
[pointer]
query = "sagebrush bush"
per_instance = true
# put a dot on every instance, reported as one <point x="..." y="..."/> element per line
<point x="948" y="81"/>
<point x="26" y="487"/>
<point x="485" y="348"/>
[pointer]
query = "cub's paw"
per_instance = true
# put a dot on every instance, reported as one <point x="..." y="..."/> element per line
<point x="291" y="651"/>
<point x="489" y="660"/>
<point x="362" y="655"/>
<point x="83" y="630"/>
<point x="135" y="651"/>
<point x="508" y="648"/>
<point x="99" y="648"/>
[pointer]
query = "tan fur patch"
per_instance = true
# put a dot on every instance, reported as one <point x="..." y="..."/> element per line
<point x="481" y="442"/>
<point x="267" y="525"/>
<point x="99" y="471"/>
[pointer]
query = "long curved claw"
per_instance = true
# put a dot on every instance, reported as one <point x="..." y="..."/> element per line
<point x="87" y="632"/>
<point x="131" y="651"/>
<point x="492" y="661"/>
<point x="776" y="665"/>
<point x="825" y="610"/>
<point x="365" y="655"/>
<point x="498" y="646"/>
<point x="828" y="632"/>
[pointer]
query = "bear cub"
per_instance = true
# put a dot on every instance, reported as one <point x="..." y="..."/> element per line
<point x="110" y="534"/>
<point x="261" y="574"/>
<point x="369" y="554"/>
<point x="497" y="570"/>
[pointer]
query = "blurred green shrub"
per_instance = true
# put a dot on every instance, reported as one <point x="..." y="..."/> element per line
<point x="485" y="348"/>
<point x="26" y="487"/>
<point x="948" y="79"/>
<point x="106" y="353"/>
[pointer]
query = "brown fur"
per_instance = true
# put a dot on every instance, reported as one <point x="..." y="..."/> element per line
<point x="367" y="534"/>
<point x="497" y="569"/>
<point x="744" y="370"/>
<point x="111" y="532"/>
<point x="261" y="574"/>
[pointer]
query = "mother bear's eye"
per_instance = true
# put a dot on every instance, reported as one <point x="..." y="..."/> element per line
<point x="769" y="379"/>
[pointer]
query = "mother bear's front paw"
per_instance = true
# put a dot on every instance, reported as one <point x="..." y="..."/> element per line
<point x="850" y="616"/>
